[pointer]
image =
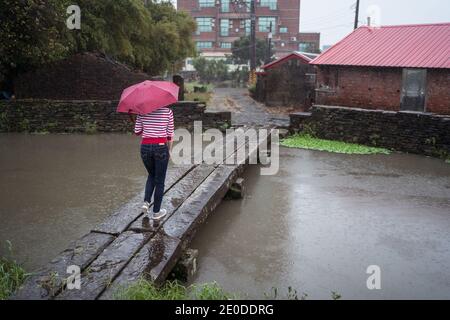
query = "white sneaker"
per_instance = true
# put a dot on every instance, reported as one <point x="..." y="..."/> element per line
<point x="145" y="207"/>
<point x="159" y="215"/>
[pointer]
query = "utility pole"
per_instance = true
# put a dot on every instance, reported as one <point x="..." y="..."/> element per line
<point x="357" y="14"/>
<point x="252" y="42"/>
<point x="269" y="49"/>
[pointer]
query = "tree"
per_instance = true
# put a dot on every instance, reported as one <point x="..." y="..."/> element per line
<point x="211" y="70"/>
<point x="146" y="35"/>
<point x="241" y="51"/>
<point x="32" y="33"/>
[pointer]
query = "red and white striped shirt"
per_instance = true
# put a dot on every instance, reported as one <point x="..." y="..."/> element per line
<point x="155" y="127"/>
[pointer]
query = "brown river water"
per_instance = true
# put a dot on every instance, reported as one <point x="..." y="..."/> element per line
<point x="315" y="226"/>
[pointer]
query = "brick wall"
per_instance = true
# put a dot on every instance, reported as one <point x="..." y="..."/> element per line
<point x="92" y="116"/>
<point x="377" y="88"/>
<point x="287" y="85"/>
<point x="438" y="91"/>
<point x="413" y="132"/>
<point x="85" y="76"/>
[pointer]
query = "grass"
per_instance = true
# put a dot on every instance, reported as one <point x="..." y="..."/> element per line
<point x="12" y="275"/>
<point x="198" y="96"/>
<point x="189" y="86"/>
<point x="447" y="161"/>
<point x="306" y="141"/>
<point x="190" y="95"/>
<point x="172" y="290"/>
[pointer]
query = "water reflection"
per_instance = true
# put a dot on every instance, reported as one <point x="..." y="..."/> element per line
<point x="54" y="188"/>
<point x="319" y="223"/>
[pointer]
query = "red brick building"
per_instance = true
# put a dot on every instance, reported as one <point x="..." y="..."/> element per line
<point x="397" y="68"/>
<point x="288" y="81"/>
<point x="221" y="22"/>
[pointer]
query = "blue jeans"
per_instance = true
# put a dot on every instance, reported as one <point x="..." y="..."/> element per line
<point x="156" y="159"/>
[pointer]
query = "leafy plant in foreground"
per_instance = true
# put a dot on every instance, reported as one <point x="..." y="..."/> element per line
<point x="12" y="275"/>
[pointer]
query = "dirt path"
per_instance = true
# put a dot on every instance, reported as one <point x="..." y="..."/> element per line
<point x="245" y="110"/>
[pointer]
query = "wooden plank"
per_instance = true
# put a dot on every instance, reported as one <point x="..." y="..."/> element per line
<point x="47" y="282"/>
<point x="226" y="143"/>
<point x="174" y="197"/>
<point x="203" y="201"/>
<point x="106" y="267"/>
<point x="119" y="221"/>
<point x="154" y="261"/>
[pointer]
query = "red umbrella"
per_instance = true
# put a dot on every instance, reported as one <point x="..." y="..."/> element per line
<point x="148" y="96"/>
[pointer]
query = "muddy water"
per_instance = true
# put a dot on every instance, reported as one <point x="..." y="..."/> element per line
<point x="319" y="223"/>
<point x="54" y="188"/>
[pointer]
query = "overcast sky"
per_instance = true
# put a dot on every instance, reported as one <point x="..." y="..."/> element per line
<point x="335" y="18"/>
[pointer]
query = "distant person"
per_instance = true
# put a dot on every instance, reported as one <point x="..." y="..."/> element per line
<point x="156" y="130"/>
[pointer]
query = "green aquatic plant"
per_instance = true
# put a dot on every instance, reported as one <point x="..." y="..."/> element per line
<point x="12" y="275"/>
<point x="306" y="141"/>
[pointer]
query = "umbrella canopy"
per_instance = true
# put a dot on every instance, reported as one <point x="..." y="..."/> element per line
<point x="148" y="96"/>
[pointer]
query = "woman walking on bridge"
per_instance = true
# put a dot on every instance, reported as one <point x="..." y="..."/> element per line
<point x="156" y="130"/>
<point x="154" y="123"/>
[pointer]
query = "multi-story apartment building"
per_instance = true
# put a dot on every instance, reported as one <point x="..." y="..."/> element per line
<point x="221" y="22"/>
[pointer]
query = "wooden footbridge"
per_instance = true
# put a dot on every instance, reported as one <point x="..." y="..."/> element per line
<point x="127" y="246"/>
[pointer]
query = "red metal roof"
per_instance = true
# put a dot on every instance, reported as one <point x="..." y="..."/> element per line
<point x="295" y="55"/>
<point x="413" y="46"/>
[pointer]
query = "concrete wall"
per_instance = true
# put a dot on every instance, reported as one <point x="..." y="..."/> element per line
<point x="419" y="133"/>
<point x="92" y="116"/>
<point x="378" y="88"/>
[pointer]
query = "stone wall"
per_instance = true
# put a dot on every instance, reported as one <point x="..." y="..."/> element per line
<point x="378" y="88"/>
<point x="420" y="133"/>
<point x="92" y="116"/>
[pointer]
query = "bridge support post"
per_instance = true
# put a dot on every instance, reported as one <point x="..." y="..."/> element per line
<point x="237" y="189"/>
<point x="186" y="267"/>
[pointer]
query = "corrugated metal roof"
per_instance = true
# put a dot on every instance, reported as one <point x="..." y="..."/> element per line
<point x="295" y="54"/>
<point x="413" y="46"/>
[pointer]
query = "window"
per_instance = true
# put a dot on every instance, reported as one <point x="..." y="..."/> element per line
<point x="265" y="22"/>
<point x="225" y="5"/>
<point x="272" y="4"/>
<point x="245" y="24"/>
<point x="204" y="24"/>
<point x="248" y="4"/>
<point x="306" y="47"/>
<point x="283" y="29"/>
<point x="224" y="27"/>
<point x="204" y="44"/>
<point x="206" y="3"/>
<point x="225" y="45"/>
